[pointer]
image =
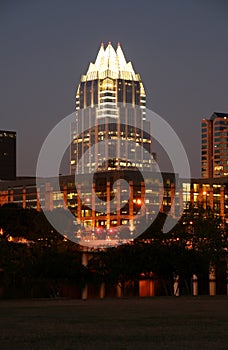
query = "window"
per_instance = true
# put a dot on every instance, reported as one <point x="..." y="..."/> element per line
<point x="218" y="128"/>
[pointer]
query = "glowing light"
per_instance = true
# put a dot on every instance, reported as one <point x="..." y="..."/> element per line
<point x="111" y="63"/>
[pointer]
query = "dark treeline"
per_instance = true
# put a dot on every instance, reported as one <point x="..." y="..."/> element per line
<point x="49" y="265"/>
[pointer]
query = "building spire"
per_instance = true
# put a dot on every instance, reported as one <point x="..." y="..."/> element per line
<point x="100" y="56"/>
<point x="121" y="58"/>
<point x="112" y="63"/>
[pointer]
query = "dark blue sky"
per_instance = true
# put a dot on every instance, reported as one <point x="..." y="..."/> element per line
<point x="179" y="47"/>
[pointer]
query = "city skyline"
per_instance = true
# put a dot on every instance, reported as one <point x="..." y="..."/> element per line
<point x="181" y="57"/>
<point x="118" y="190"/>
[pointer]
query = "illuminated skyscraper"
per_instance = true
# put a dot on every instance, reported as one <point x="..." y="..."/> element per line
<point x="214" y="153"/>
<point x="112" y="97"/>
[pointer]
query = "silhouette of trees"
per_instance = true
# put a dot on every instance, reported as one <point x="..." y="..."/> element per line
<point x="198" y="240"/>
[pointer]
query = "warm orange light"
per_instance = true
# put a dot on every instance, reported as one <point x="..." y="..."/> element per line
<point x="139" y="201"/>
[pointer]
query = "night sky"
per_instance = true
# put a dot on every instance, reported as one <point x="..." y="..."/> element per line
<point x="179" y="47"/>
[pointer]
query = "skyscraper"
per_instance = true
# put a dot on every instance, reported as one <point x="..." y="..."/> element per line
<point x="111" y="139"/>
<point x="112" y="97"/>
<point x="214" y="148"/>
<point x="7" y="155"/>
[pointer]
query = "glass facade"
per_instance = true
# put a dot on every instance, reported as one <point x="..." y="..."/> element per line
<point x="112" y="97"/>
<point x="214" y="146"/>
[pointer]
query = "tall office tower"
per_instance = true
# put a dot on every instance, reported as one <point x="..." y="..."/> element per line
<point x="110" y="112"/>
<point x="7" y="155"/>
<point x="214" y="157"/>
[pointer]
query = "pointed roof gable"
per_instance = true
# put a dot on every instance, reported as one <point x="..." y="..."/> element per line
<point x="111" y="63"/>
<point x="121" y="58"/>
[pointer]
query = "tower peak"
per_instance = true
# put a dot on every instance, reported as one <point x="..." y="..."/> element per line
<point x="112" y="63"/>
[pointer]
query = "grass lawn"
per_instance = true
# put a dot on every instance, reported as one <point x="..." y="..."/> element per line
<point x="151" y="323"/>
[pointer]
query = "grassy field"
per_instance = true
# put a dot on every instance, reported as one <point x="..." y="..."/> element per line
<point x="155" y="323"/>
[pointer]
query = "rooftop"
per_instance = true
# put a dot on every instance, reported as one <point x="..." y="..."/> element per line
<point x="218" y="115"/>
<point x="110" y="63"/>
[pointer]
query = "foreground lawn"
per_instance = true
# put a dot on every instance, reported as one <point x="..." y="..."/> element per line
<point x="155" y="323"/>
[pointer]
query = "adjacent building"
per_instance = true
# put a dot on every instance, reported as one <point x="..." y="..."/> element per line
<point x="214" y="147"/>
<point x="7" y="155"/>
<point x="208" y="193"/>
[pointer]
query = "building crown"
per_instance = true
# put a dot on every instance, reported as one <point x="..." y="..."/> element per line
<point x="111" y="63"/>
